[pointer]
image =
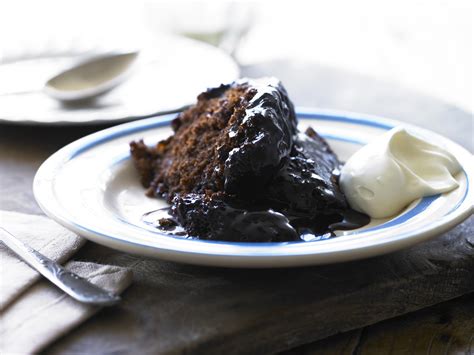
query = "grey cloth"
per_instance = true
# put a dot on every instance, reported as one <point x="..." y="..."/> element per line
<point x="42" y="234"/>
<point x="35" y="313"/>
<point x="43" y="313"/>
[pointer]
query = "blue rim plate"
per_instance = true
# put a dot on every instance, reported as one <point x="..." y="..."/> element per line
<point x="91" y="188"/>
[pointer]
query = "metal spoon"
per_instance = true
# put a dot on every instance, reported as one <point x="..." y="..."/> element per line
<point x="92" y="78"/>
<point x="75" y="286"/>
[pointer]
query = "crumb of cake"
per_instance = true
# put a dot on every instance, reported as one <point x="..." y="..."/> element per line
<point x="166" y="223"/>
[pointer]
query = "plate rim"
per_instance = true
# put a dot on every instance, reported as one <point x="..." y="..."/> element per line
<point x="463" y="211"/>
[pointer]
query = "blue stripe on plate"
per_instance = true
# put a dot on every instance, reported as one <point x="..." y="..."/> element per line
<point x="465" y="194"/>
<point x="103" y="137"/>
<point x="420" y="207"/>
<point x="346" y="119"/>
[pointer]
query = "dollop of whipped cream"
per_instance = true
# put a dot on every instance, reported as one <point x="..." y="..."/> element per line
<point x="394" y="170"/>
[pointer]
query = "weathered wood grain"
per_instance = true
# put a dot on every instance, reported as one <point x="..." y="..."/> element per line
<point x="174" y="308"/>
<point x="447" y="328"/>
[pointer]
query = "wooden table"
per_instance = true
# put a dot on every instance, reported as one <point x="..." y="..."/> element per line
<point x="174" y="308"/>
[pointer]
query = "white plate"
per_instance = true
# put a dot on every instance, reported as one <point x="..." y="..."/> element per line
<point x="91" y="187"/>
<point x="172" y="71"/>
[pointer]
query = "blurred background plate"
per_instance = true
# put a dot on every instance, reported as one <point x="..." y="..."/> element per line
<point x="170" y="72"/>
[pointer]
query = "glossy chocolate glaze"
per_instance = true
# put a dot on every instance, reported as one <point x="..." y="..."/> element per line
<point x="280" y="184"/>
<point x="263" y="137"/>
<point x="228" y="219"/>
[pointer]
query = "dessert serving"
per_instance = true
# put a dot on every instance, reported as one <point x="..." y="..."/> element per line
<point x="238" y="169"/>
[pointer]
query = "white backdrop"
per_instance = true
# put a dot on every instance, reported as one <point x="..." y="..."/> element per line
<point x="425" y="45"/>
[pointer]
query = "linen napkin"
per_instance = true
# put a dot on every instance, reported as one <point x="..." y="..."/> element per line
<point x="44" y="313"/>
<point x="35" y="313"/>
<point x="42" y="234"/>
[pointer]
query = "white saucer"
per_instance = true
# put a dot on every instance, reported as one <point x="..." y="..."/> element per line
<point x="169" y="74"/>
<point x="91" y="187"/>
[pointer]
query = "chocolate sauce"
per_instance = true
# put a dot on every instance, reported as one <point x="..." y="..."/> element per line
<point x="350" y="220"/>
<point x="227" y="219"/>
<point x="279" y="184"/>
<point x="263" y="138"/>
